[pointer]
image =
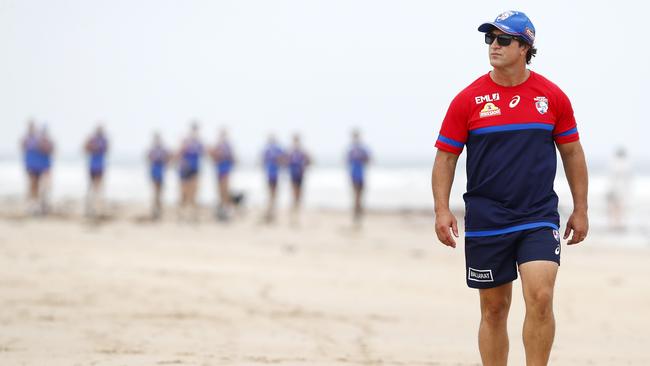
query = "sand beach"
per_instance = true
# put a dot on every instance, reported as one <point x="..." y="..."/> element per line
<point x="131" y="292"/>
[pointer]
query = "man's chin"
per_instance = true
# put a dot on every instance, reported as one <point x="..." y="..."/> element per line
<point x="495" y="63"/>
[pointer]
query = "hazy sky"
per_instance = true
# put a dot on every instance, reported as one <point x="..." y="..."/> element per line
<point x="318" y="67"/>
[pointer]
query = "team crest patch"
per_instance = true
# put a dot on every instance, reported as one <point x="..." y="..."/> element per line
<point x="480" y="275"/>
<point x="541" y="103"/>
<point x="505" y="15"/>
<point x="489" y="109"/>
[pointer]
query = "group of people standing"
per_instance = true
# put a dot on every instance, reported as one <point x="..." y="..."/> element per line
<point x="296" y="160"/>
<point x="38" y="148"/>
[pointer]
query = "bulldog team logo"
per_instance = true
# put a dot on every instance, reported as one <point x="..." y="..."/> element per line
<point x="556" y="235"/>
<point x="505" y="15"/>
<point x="541" y="103"/>
<point x="489" y="109"/>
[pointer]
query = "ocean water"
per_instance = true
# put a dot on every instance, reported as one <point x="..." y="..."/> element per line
<point x="389" y="187"/>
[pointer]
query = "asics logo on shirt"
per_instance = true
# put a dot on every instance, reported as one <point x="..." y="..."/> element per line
<point x="514" y="101"/>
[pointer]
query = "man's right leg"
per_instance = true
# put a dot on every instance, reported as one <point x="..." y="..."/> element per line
<point x="493" y="332"/>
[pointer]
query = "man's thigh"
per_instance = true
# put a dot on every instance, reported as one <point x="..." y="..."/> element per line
<point x="496" y="298"/>
<point x="538" y="278"/>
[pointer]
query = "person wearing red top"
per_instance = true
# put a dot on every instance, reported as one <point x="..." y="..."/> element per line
<point x="512" y="120"/>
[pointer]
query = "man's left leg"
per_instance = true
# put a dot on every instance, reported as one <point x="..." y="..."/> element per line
<point x="538" y="282"/>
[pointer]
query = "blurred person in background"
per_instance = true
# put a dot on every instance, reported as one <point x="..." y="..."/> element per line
<point x="46" y="149"/>
<point x="358" y="158"/>
<point x="224" y="160"/>
<point x="273" y="158"/>
<point x="96" y="148"/>
<point x="298" y="161"/>
<point x="618" y="189"/>
<point x="189" y="164"/>
<point x="158" y="157"/>
<point x="30" y="146"/>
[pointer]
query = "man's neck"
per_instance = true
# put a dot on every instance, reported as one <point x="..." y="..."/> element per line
<point x="510" y="76"/>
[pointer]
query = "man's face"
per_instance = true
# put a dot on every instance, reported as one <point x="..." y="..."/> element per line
<point x="505" y="56"/>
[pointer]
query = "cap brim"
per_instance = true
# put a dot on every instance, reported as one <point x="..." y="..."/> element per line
<point x="486" y="27"/>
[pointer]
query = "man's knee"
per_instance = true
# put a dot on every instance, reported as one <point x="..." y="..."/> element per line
<point x="539" y="303"/>
<point x="494" y="311"/>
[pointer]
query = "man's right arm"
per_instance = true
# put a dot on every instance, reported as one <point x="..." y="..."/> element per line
<point x="442" y="178"/>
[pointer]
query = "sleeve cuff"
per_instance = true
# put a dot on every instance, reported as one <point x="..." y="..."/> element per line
<point x="448" y="148"/>
<point x="567" y="136"/>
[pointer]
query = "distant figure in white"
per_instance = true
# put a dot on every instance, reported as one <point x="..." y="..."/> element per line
<point x="96" y="148"/>
<point x="618" y="189"/>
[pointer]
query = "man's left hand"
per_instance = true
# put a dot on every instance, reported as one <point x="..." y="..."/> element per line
<point x="578" y="223"/>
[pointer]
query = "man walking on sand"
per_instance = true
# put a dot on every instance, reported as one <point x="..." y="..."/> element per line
<point x="511" y="120"/>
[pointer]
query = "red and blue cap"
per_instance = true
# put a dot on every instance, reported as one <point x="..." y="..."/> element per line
<point x="512" y="22"/>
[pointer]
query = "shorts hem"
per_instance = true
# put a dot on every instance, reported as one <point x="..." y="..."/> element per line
<point x="486" y="285"/>
<point x="519" y="263"/>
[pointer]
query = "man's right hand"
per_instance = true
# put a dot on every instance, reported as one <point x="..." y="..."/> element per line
<point x="444" y="221"/>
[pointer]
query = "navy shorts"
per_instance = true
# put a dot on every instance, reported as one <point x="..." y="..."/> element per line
<point x="492" y="261"/>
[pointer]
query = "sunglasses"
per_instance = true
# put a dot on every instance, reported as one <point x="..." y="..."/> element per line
<point x="502" y="39"/>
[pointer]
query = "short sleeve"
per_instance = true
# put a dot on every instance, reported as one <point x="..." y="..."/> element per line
<point x="566" y="129"/>
<point x="453" y="133"/>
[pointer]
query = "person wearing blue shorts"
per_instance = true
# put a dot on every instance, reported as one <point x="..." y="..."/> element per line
<point x="30" y="146"/>
<point x="189" y="163"/>
<point x="158" y="157"/>
<point x="96" y="148"/>
<point x="45" y="151"/>
<point x="512" y="121"/>
<point x="273" y="159"/>
<point x="298" y="161"/>
<point x="224" y="159"/>
<point x="358" y="158"/>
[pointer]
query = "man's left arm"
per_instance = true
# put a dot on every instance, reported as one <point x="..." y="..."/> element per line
<point x="575" y="167"/>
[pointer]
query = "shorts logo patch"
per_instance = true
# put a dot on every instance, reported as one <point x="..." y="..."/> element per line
<point x="557" y="250"/>
<point x="556" y="235"/>
<point x="489" y="109"/>
<point x="480" y="275"/>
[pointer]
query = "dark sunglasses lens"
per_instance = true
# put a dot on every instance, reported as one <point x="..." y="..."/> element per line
<point x="489" y="38"/>
<point x="504" y="40"/>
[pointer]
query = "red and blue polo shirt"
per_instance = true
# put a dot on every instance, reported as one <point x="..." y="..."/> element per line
<point x="510" y="134"/>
